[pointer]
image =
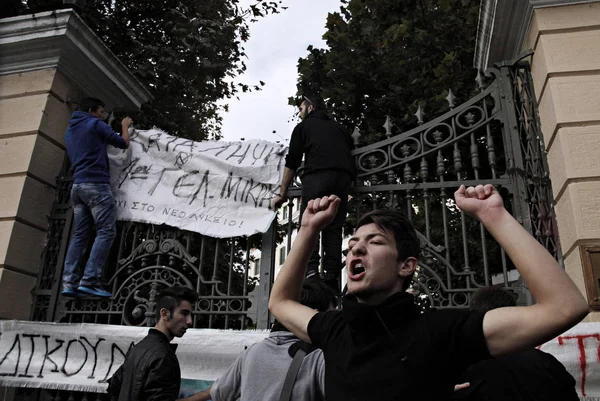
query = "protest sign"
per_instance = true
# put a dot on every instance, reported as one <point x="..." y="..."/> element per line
<point x="219" y="189"/>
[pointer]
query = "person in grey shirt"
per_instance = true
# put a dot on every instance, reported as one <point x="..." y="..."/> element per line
<point x="259" y="372"/>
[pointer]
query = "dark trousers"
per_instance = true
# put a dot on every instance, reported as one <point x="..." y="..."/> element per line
<point x="318" y="185"/>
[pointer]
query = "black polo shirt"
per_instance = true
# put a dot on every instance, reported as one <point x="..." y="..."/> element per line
<point x="392" y="352"/>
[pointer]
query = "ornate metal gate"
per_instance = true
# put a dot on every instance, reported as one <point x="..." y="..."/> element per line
<point x="144" y="258"/>
<point x="493" y="138"/>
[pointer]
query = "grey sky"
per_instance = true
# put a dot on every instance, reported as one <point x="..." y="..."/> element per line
<point x="276" y="42"/>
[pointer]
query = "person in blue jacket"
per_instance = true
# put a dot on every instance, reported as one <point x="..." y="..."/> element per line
<point x="86" y="139"/>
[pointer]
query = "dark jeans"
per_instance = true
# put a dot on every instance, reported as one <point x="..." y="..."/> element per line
<point x="93" y="203"/>
<point x="317" y="185"/>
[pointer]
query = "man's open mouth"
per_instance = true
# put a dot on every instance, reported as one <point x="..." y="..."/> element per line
<point x="358" y="268"/>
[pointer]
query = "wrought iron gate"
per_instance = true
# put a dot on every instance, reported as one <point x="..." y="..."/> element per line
<point x="493" y="138"/>
<point x="143" y="259"/>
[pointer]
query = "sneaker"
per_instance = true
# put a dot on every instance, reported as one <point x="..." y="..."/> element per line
<point x="70" y="292"/>
<point x="96" y="291"/>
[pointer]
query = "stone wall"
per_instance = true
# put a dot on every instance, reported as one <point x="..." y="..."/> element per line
<point x="33" y="118"/>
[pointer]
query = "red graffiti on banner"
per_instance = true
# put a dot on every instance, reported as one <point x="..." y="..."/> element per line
<point x="582" y="357"/>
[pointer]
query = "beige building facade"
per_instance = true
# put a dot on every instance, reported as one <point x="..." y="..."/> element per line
<point x="48" y="62"/>
<point x="565" y="36"/>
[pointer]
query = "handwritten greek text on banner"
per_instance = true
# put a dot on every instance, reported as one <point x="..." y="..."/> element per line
<point x="81" y="357"/>
<point x="220" y="189"/>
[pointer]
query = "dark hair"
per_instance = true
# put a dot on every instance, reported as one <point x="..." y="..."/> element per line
<point x="488" y="298"/>
<point x="405" y="235"/>
<point x="315" y="101"/>
<point x="317" y="295"/>
<point x="90" y="103"/>
<point x="171" y="297"/>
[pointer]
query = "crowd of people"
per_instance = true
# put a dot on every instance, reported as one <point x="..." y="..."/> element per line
<point x="376" y="344"/>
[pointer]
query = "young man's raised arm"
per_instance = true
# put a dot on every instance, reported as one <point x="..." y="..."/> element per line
<point x="283" y="302"/>
<point x="559" y="305"/>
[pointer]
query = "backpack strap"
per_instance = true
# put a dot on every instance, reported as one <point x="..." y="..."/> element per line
<point x="297" y="351"/>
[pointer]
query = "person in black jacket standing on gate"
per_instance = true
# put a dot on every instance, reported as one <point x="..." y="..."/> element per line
<point x="151" y="370"/>
<point x="329" y="168"/>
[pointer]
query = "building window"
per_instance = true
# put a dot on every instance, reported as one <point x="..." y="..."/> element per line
<point x="590" y="259"/>
<point x="282" y="255"/>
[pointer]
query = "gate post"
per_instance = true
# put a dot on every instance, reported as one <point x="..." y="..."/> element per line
<point x="517" y="170"/>
<point x="267" y="270"/>
<point x="53" y="256"/>
<point x="515" y="163"/>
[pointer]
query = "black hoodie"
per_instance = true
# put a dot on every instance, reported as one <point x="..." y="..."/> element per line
<point x="86" y="139"/>
<point x="325" y="143"/>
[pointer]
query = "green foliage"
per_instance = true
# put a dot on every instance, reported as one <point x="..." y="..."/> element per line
<point x="387" y="57"/>
<point x="187" y="53"/>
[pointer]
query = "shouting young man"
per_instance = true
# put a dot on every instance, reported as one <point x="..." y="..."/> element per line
<point x="379" y="346"/>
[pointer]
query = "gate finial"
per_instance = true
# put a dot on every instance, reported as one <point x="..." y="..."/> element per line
<point x="420" y="114"/>
<point x="388" y="126"/>
<point x="451" y="98"/>
<point x="356" y="135"/>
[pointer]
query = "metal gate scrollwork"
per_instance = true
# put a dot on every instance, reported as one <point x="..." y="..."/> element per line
<point x="492" y="138"/>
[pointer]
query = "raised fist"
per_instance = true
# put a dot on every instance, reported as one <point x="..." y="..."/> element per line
<point x="320" y="212"/>
<point x="479" y="200"/>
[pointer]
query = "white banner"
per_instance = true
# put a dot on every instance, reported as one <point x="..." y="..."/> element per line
<point x="220" y="189"/>
<point x="83" y="356"/>
<point x="579" y="350"/>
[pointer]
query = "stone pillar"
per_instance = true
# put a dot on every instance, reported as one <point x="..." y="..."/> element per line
<point x="565" y="36"/>
<point x="48" y="62"/>
<point x="33" y="117"/>
<point x="566" y="74"/>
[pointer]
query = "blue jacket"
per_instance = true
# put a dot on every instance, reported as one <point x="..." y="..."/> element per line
<point x="86" y="139"/>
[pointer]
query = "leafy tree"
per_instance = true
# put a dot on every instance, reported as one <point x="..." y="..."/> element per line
<point x="387" y="57"/>
<point x="187" y="53"/>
